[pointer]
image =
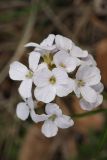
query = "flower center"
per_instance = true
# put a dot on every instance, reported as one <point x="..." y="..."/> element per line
<point x="29" y="74"/>
<point x="52" y="80"/>
<point x="62" y="65"/>
<point x="52" y="117"/>
<point x="81" y="83"/>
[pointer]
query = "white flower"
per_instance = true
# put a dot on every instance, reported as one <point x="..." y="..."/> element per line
<point x="86" y="77"/>
<point x="20" y="72"/>
<point x="46" y="46"/>
<point x="24" y="109"/>
<point x="64" y="60"/>
<point x="52" y="83"/>
<point x="55" y="120"/>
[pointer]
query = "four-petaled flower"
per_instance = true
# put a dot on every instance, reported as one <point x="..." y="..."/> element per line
<point x="52" y="83"/>
<point x="20" y="72"/>
<point x="55" y="120"/>
<point x="86" y="77"/>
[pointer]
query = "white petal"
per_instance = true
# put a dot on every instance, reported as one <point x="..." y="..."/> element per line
<point x="42" y="66"/>
<point x="64" y="90"/>
<point x="17" y="71"/>
<point x="63" y="58"/>
<point x="42" y="77"/>
<point x="25" y="88"/>
<point x="38" y="118"/>
<point x="34" y="58"/>
<point x="32" y="44"/>
<point x="22" y="111"/>
<point x="64" y="122"/>
<point x="49" y="129"/>
<point x="45" y="94"/>
<point x="89" y="106"/>
<point x="78" y="52"/>
<point x="52" y="108"/>
<point x="76" y="89"/>
<point x="89" y="74"/>
<point x="60" y="75"/>
<point x="88" y="94"/>
<point x="99" y="87"/>
<point x="48" y="41"/>
<point x="89" y="60"/>
<point x="30" y="103"/>
<point x="63" y="43"/>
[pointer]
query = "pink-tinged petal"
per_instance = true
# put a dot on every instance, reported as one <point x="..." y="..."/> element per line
<point x="63" y="43"/>
<point x="88" y="94"/>
<point x="99" y="87"/>
<point x="42" y="77"/>
<point x="78" y="52"/>
<point x="64" y="90"/>
<point x="60" y="75"/>
<point x="64" y="122"/>
<point x="22" y="111"/>
<point x="17" y="71"/>
<point x="45" y="94"/>
<point x="34" y="58"/>
<point x="25" y="88"/>
<point x="52" y="108"/>
<point x="49" y="129"/>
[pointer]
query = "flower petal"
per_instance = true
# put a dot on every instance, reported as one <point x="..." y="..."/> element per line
<point x="65" y="61"/>
<point x="89" y="60"/>
<point x="49" y="129"/>
<point x="76" y="89"/>
<point x="52" y="108"/>
<point x="38" y="118"/>
<point x="48" y="41"/>
<point x="99" y="87"/>
<point x="60" y="75"/>
<point x="17" y="71"/>
<point x="89" y="106"/>
<point x="78" y="52"/>
<point x="22" y="111"/>
<point x="32" y="44"/>
<point x="30" y="102"/>
<point x="63" y="43"/>
<point x="64" y="90"/>
<point x="45" y="94"/>
<point x="64" y="122"/>
<point x="25" y="88"/>
<point x="42" y="77"/>
<point x="88" y="94"/>
<point x="34" y="58"/>
<point x="89" y="74"/>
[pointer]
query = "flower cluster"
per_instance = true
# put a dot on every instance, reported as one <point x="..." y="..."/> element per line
<point x="57" y="67"/>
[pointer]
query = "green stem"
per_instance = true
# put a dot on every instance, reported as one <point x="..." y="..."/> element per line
<point x="81" y="115"/>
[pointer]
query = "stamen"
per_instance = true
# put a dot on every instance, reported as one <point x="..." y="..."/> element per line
<point x="52" y="80"/>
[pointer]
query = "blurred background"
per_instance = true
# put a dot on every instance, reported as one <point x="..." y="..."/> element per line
<point x="22" y="21"/>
